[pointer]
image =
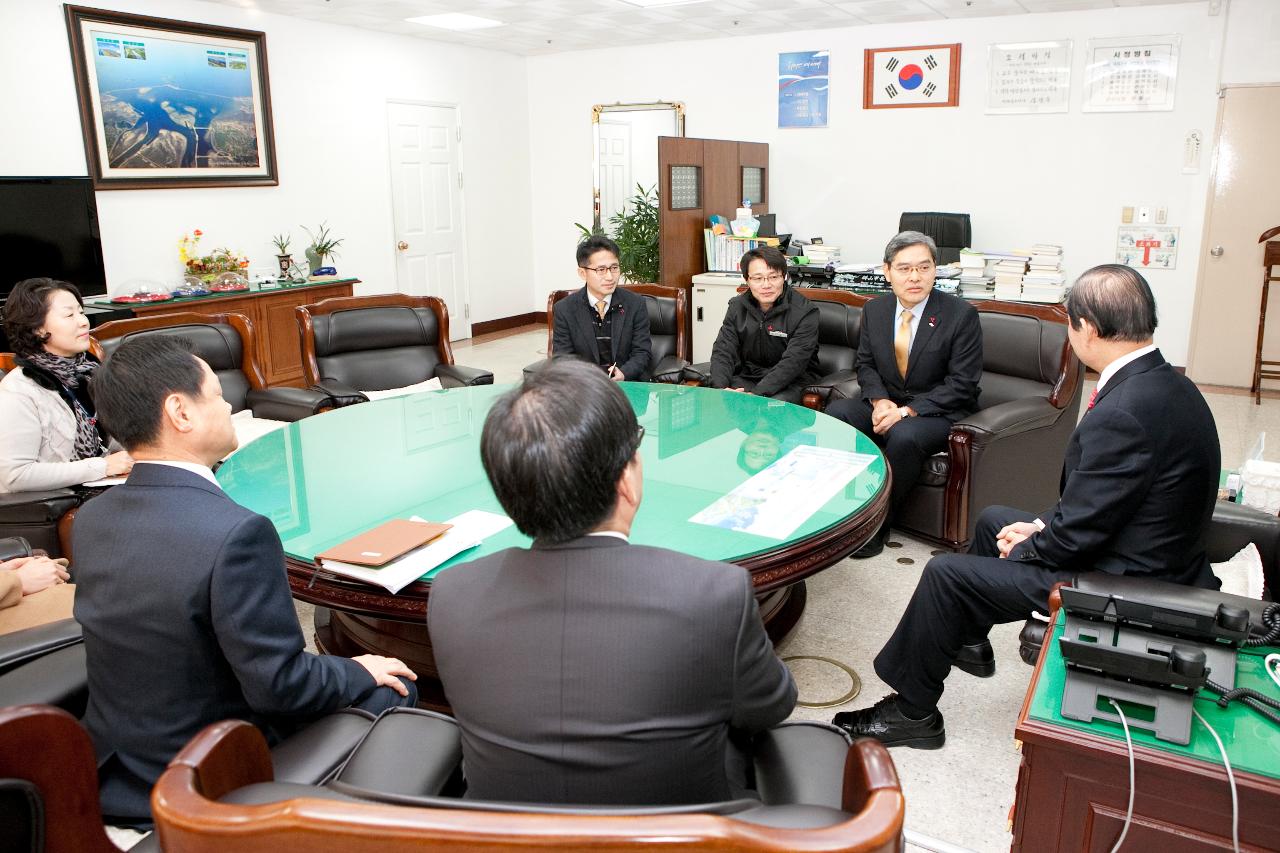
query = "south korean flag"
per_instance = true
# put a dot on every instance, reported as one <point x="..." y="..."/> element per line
<point x="915" y="76"/>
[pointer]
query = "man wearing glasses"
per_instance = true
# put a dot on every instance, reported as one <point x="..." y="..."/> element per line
<point x="919" y="362"/>
<point x="602" y="323"/>
<point x="768" y="344"/>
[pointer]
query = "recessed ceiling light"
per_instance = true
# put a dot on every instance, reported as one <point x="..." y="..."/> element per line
<point x="455" y="21"/>
<point x="654" y="4"/>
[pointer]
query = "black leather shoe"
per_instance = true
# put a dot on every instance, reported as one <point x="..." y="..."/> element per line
<point x="874" y="545"/>
<point x="884" y="722"/>
<point x="977" y="659"/>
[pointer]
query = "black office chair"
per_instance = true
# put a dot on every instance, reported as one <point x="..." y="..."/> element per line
<point x="375" y="343"/>
<point x="951" y="231"/>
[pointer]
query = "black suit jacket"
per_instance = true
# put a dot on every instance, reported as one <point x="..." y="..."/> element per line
<point x="1139" y="481"/>
<point x="944" y="364"/>
<point x="187" y="620"/>
<point x="601" y="672"/>
<point x="575" y="331"/>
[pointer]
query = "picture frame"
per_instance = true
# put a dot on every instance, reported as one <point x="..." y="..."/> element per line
<point x="920" y="76"/>
<point x="1131" y="73"/>
<point x="171" y="104"/>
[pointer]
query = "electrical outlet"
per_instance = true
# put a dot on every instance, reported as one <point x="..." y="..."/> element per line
<point x="1144" y="215"/>
<point x="1126" y="215"/>
<point x="1162" y="215"/>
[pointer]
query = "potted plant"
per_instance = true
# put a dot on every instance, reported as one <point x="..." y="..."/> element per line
<point x="635" y="230"/>
<point x="323" y="245"/>
<point x="281" y="242"/>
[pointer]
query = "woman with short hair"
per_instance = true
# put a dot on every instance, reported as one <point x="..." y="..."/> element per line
<point x="50" y="437"/>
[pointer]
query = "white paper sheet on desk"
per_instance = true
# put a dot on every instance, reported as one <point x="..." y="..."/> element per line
<point x="248" y="428"/>
<point x="105" y="481"/>
<point x="429" y="385"/>
<point x="468" y="530"/>
<point x="780" y="498"/>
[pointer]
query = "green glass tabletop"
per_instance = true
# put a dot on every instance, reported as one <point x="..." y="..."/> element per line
<point x="1251" y="741"/>
<point x="324" y="479"/>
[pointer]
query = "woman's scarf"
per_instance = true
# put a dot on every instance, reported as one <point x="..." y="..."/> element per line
<point x="71" y="372"/>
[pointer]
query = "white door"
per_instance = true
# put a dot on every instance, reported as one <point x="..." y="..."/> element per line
<point x="426" y="192"/>
<point x="615" y="168"/>
<point x="1242" y="205"/>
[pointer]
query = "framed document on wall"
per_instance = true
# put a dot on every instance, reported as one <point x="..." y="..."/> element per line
<point x="925" y="76"/>
<point x="171" y="103"/>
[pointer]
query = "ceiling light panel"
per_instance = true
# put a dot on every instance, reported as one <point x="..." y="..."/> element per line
<point x="455" y="21"/>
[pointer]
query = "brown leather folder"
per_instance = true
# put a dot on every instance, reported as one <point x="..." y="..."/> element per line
<point x="384" y="543"/>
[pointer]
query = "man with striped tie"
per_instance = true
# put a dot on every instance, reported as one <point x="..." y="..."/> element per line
<point x="919" y="362"/>
<point x="1136" y="498"/>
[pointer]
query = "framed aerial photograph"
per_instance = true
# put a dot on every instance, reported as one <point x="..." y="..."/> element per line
<point x="168" y="103"/>
<point x="924" y="76"/>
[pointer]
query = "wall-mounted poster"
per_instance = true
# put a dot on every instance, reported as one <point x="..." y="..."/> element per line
<point x="171" y="103"/>
<point x="1033" y="77"/>
<point x="1131" y="74"/>
<point x="925" y="76"/>
<point x="802" y="88"/>
<point x="1147" y="247"/>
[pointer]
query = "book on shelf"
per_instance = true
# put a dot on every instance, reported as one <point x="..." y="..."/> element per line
<point x="724" y="251"/>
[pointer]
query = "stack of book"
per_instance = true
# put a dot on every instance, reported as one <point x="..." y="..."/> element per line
<point x="1009" y="269"/>
<point x="974" y="281"/>
<point x="1045" y="280"/>
<point x="724" y="251"/>
<point x="820" y="254"/>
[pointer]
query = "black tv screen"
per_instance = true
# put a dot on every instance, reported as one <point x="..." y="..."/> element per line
<point x="49" y="227"/>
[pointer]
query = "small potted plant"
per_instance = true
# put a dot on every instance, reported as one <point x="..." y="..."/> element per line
<point x="281" y="242"/>
<point x="323" y="245"/>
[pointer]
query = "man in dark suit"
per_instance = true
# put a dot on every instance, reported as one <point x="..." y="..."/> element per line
<point x="919" y="362"/>
<point x="602" y="323"/>
<point x="182" y="592"/>
<point x="1137" y="493"/>
<point x="586" y="669"/>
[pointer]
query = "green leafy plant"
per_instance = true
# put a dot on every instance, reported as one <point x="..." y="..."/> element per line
<point x="635" y="230"/>
<point x="322" y="243"/>
<point x="281" y="242"/>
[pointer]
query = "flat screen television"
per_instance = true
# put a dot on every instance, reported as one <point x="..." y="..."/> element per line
<point x="49" y="227"/>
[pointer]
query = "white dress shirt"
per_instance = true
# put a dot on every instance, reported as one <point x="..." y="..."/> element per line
<point x="916" y="313"/>
<point x="193" y="467"/>
<point x="1110" y="369"/>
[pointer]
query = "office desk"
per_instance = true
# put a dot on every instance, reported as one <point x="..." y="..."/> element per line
<point x="1073" y="785"/>
<point x="324" y="479"/>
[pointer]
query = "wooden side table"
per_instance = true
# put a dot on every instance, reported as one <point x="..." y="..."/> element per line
<point x="1270" y="260"/>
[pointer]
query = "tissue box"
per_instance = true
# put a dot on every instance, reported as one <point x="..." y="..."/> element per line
<point x="1261" y="485"/>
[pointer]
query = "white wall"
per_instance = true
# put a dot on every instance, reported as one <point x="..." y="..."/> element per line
<point x="1024" y="178"/>
<point x="329" y="88"/>
<point x="1253" y="42"/>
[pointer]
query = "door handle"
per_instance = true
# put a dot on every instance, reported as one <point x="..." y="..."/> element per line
<point x="402" y="245"/>
<point x="1216" y="251"/>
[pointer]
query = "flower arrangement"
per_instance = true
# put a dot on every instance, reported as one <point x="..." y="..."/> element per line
<point x="208" y="266"/>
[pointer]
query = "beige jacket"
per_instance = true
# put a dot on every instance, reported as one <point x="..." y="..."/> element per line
<point x="37" y="438"/>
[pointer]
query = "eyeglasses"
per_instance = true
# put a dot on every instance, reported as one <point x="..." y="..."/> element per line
<point x="906" y="269"/>
<point x="772" y="278"/>
<point x="639" y="439"/>
<point x="612" y="269"/>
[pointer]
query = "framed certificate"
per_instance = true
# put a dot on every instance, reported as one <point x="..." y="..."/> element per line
<point x="1029" y="77"/>
<point x="1131" y="74"/>
<point x="925" y="76"/>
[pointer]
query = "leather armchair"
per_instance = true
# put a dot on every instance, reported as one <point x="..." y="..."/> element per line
<point x="45" y="665"/>
<point x="219" y="791"/>
<point x="1009" y="451"/>
<point x="839" y="325"/>
<point x="951" y="231"/>
<point x="226" y="343"/>
<point x="1233" y="527"/>
<point x="373" y="343"/>
<point x="670" y="347"/>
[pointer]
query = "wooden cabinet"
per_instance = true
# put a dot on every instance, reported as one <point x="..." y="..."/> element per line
<point x="271" y="313"/>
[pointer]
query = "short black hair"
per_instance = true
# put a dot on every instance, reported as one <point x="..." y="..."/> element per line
<point x="1116" y="300"/>
<point x="771" y="255"/>
<point x="596" y="243"/>
<point x="130" y="387"/>
<point x="555" y="447"/>
<point x="26" y="308"/>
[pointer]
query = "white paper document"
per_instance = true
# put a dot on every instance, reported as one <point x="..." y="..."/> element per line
<point x="780" y="498"/>
<point x="105" y="481"/>
<point x="429" y="385"/>
<point x="468" y="530"/>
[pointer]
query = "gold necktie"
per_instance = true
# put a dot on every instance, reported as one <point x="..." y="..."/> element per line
<point x="902" y="343"/>
<point x="601" y="307"/>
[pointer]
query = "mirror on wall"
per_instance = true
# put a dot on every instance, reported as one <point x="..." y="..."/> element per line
<point x="626" y="150"/>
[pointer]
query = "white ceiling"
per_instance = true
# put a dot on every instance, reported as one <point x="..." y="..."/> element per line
<point x="532" y="27"/>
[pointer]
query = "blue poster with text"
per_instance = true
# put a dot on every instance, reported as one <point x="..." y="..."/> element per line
<point x="802" y="88"/>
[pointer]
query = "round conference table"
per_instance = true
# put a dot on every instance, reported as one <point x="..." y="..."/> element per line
<point x="325" y="479"/>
